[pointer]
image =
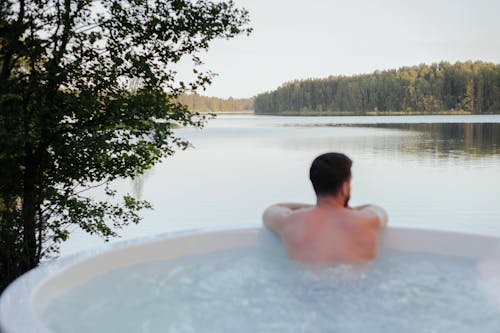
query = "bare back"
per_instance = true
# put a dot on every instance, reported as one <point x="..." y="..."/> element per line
<point x="329" y="234"/>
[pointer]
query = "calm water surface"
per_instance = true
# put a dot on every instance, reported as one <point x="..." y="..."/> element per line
<point x="439" y="172"/>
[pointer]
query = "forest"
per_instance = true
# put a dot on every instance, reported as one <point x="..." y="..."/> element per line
<point x="198" y="103"/>
<point x="439" y="88"/>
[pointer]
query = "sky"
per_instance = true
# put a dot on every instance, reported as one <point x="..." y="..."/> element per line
<point x="317" y="38"/>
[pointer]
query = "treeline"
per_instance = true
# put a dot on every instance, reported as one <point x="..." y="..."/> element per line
<point x="199" y="103"/>
<point x="467" y="87"/>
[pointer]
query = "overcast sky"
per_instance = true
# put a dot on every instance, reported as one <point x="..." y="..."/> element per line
<point x="295" y="39"/>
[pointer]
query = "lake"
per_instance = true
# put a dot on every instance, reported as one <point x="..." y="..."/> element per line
<point x="439" y="172"/>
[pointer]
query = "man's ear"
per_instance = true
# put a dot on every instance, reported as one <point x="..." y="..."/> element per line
<point x="345" y="188"/>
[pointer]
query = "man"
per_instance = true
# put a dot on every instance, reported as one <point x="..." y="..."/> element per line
<point x="330" y="231"/>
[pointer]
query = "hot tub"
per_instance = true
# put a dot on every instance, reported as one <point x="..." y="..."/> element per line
<point x="24" y="301"/>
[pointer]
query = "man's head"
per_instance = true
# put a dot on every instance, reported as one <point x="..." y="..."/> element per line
<point x="330" y="175"/>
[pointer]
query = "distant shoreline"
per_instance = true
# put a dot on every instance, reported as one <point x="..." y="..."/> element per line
<point x="350" y="114"/>
<point x="371" y="113"/>
<point x="226" y="112"/>
<point x="468" y="86"/>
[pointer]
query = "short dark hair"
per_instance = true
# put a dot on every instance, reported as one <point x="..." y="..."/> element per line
<point x="328" y="172"/>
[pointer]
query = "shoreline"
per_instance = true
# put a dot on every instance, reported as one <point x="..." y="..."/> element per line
<point x="350" y="114"/>
<point x="218" y="113"/>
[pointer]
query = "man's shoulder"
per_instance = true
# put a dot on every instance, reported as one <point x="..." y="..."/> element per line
<point x="279" y="217"/>
<point x="372" y="216"/>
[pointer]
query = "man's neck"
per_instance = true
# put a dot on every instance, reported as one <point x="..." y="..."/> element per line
<point x="330" y="201"/>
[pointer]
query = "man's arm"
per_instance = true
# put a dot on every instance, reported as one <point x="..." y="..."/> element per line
<point x="274" y="217"/>
<point x="377" y="213"/>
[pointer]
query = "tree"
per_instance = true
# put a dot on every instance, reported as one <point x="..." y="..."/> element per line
<point x="70" y="122"/>
<point x="471" y="87"/>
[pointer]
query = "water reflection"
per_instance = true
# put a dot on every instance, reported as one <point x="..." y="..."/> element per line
<point x="422" y="143"/>
<point x="477" y="139"/>
<point x="138" y="183"/>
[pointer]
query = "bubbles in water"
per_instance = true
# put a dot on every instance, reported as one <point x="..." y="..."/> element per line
<point x="259" y="290"/>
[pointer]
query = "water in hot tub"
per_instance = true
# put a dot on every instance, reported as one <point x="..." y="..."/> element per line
<point x="259" y="290"/>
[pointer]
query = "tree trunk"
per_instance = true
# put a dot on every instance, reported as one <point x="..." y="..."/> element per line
<point x="29" y="212"/>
